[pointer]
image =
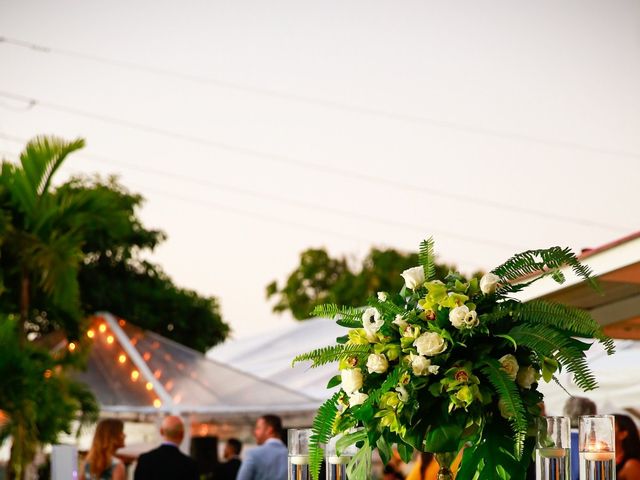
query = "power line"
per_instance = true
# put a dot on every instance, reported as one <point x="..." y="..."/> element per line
<point x="284" y="200"/>
<point x="283" y="159"/>
<point x="321" y="102"/>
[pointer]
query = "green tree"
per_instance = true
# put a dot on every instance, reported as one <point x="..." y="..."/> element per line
<point x="321" y="279"/>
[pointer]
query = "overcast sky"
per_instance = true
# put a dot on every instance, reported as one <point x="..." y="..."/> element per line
<point x="258" y="129"/>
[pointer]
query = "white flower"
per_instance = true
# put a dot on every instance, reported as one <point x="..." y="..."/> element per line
<point x="382" y="296"/>
<point x="403" y="395"/>
<point x="351" y="379"/>
<point x="377" y="363"/>
<point x="489" y="282"/>
<point x="461" y="317"/>
<point x="422" y="365"/>
<point x="413" y="277"/>
<point x="371" y="320"/>
<point x="400" y="322"/>
<point x="527" y="376"/>
<point x="357" y="398"/>
<point x="509" y="365"/>
<point x="430" y="344"/>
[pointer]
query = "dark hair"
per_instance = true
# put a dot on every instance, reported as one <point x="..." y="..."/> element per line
<point x="577" y="406"/>
<point x="631" y="444"/>
<point x="274" y="422"/>
<point x="235" y="444"/>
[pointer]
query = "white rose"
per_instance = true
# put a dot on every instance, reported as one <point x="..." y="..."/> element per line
<point x="382" y="296"/>
<point x="489" y="282"/>
<point x="357" y="398"/>
<point x="403" y="395"/>
<point x="371" y="320"/>
<point x="413" y="277"/>
<point x="471" y="319"/>
<point x="527" y="376"/>
<point x="377" y="363"/>
<point x="400" y="322"/>
<point x="457" y="316"/>
<point x="509" y="365"/>
<point x="430" y="344"/>
<point x="422" y="365"/>
<point x="351" y="379"/>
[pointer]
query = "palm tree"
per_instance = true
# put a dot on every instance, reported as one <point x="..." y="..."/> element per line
<point x="42" y="231"/>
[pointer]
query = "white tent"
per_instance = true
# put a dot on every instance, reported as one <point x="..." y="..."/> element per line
<point x="269" y="355"/>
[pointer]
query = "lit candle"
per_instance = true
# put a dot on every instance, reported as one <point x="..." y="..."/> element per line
<point x="599" y="451"/>
<point x="552" y="452"/>
<point x="299" y="459"/>
<point x="335" y="460"/>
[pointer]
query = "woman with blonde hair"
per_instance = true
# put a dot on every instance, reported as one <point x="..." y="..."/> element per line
<point x="100" y="463"/>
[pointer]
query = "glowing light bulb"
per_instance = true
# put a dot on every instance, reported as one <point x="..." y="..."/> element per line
<point x="122" y="358"/>
<point x="110" y="339"/>
<point x="157" y="373"/>
<point x="121" y="322"/>
<point x="71" y="347"/>
<point x="149" y="386"/>
<point x="146" y="356"/>
<point x="102" y="328"/>
<point x="134" y="375"/>
<point x="91" y="333"/>
<point x="157" y="403"/>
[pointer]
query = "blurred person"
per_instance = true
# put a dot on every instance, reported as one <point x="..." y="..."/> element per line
<point x="167" y="461"/>
<point x="627" y="448"/>
<point x="269" y="460"/>
<point x="574" y="408"/>
<point x="101" y="463"/>
<point x="231" y="454"/>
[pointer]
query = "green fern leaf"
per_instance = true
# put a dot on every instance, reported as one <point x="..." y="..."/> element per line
<point x="345" y="316"/>
<point x="390" y="382"/>
<point x="386" y="309"/>
<point x="508" y="392"/>
<point x="321" y="433"/>
<point x="546" y="341"/>
<point x="333" y="353"/>
<point x="427" y="258"/>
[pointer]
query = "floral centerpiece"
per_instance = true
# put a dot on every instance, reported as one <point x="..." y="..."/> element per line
<point x="450" y="364"/>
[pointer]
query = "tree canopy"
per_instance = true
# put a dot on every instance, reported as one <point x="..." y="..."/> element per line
<point x="320" y="278"/>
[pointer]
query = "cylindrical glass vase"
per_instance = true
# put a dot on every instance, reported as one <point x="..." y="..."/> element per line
<point x="337" y="461"/>
<point x="596" y="437"/>
<point x="299" y="454"/>
<point x="553" y="449"/>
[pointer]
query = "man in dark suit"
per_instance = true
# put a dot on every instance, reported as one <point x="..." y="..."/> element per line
<point x="167" y="461"/>
<point x="229" y="469"/>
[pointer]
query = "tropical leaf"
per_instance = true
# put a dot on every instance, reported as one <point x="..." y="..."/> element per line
<point x="546" y="341"/>
<point x="322" y="429"/>
<point x="427" y="258"/>
<point x="345" y="316"/>
<point x="333" y="353"/>
<point x="508" y="392"/>
<point x="541" y="262"/>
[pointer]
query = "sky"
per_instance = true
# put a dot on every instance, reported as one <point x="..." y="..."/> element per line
<point x="256" y="130"/>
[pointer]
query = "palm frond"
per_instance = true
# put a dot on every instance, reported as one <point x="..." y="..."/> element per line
<point x="574" y="320"/>
<point x="427" y="258"/>
<point x="322" y="430"/>
<point x="541" y="262"/>
<point x="508" y="392"/>
<point x="333" y="353"/>
<point x="546" y="341"/>
<point x="349" y="317"/>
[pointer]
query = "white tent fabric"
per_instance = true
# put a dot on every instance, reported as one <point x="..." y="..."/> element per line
<point x="269" y="355"/>
<point x="618" y="377"/>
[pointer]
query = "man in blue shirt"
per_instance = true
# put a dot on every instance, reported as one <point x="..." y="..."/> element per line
<point x="269" y="460"/>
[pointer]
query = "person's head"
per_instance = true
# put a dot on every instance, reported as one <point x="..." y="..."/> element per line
<point x="232" y="448"/>
<point x="267" y="426"/>
<point x="577" y="406"/>
<point x="108" y="437"/>
<point x="172" y="429"/>
<point x="627" y="439"/>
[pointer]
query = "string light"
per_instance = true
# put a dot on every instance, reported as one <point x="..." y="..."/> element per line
<point x="71" y="347"/>
<point x="121" y="322"/>
<point x="157" y="373"/>
<point x="102" y="328"/>
<point x="122" y="358"/>
<point x="134" y="375"/>
<point x="149" y="386"/>
<point x="157" y="403"/>
<point x="110" y="339"/>
<point x="146" y="356"/>
<point x="91" y="333"/>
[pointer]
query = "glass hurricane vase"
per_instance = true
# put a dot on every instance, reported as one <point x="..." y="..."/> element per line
<point x="445" y="459"/>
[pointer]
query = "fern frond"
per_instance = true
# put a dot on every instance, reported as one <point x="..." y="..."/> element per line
<point x="387" y="309"/>
<point x="322" y="430"/>
<point x="574" y="320"/>
<point x="549" y="342"/>
<point x="427" y="258"/>
<point x="349" y="317"/>
<point x="542" y="262"/>
<point x="390" y="382"/>
<point x="333" y="353"/>
<point x="508" y="392"/>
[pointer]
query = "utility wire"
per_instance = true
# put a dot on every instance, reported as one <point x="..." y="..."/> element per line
<point x="325" y="103"/>
<point x="276" y="198"/>
<point x="283" y="159"/>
